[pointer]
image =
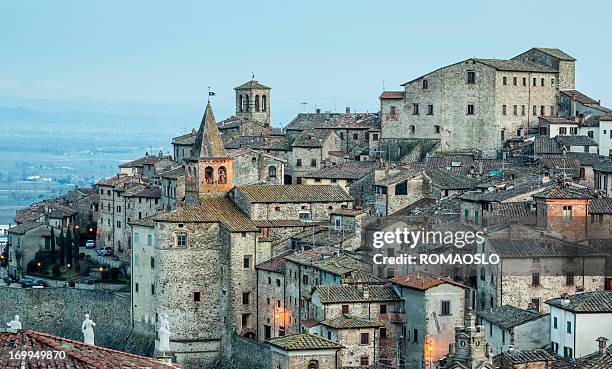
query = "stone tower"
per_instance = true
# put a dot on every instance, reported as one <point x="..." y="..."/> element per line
<point x="470" y="350"/>
<point x="209" y="171"/>
<point x="253" y="101"/>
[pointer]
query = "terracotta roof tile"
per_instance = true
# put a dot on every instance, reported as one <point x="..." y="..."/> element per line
<point x="293" y="193"/>
<point x="422" y="281"/>
<point x="601" y="206"/>
<point x="303" y="341"/>
<point x="353" y="293"/>
<point x="508" y="316"/>
<point x="351" y="322"/>
<point x="587" y="302"/>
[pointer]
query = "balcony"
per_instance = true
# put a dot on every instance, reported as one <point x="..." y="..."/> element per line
<point x="399" y="318"/>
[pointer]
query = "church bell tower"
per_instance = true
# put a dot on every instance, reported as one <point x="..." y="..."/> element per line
<point x="253" y="101"/>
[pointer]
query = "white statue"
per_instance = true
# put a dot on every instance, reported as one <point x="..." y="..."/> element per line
<point x="15" y="323"/>
<point x="164" y="333"/>
<point x="88" y="332"/>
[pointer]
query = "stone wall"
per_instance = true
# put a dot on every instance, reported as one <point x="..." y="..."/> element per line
<point x="60" y="311"/>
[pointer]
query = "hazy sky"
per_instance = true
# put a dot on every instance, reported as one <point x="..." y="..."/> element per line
<point x="162" y="55"/>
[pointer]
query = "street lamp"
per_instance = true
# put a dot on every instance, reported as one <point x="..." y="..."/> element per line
<point x="430" y="350"/>
<point x="68" y="266"/>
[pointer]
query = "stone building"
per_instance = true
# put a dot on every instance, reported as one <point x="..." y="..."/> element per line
<point x="510" y="328"/>
<point x="144" y="315"/>
<point x="343" y="174"/>
<point x="573" y="103"/>
<point x="24" y="241"/>
<point x="602" y="177"/>
<point x="478" y="103"/>
<point x="310" y="151"/>
<point x="360" y="338"/>
<point x="254" y="166"/>
<point x="172" y="184"/>
<point x="304" y="350"/>
<point x="534" y="268"/>
<point x="369" y="302"/>
<point x="253" y="101"/>
<point x="396" y="189"/>
<point x="433" y="307"/>
<point x="563" y="211"/>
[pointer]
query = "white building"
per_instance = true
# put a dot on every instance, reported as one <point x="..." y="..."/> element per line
<point x="143" y="268"/>
<point x="605" y="135"/>
<point x="577" y="321"/>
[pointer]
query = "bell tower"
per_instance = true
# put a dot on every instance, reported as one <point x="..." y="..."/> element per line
<point x="209" y="172"/>
<point x="253" y="101"/>
<point x="470" y="349"/>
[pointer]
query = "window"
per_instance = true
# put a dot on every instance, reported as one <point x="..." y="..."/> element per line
<point x="256" y="102"/>
<point x="569" y="279"/>
<point x="552" y="110"/>
<point x="504" y="109"/>
<point x="569" y="327"/>
<point x="136" y="260"/>
<point x="392" y="110"/>
<point x="278" y="282"/>
<point x="383" y="333"/>
<point x="245" y="298"/>
<point x="542" y="110"/>
<point x="149" y="240"/>
<point x="264" y="103"/>
<point x="412" y="129"/>
<point x="562" y="130"/>
<point x="355" y="136"/>
<point x="535" y="304"/>
<point x="305" y="280"/>
<point x="524" y="81"/>
<point x="153" y="289"/>
<point x="514" y="81"/>
<point x="222" y="172"/>
<point x="345" y="309"/>
<point x="246" y="262"/>
<point x="436" y="129"/>
<point x="313" y="364"/>
<point x="298" y="163"/>
<point x="313" y="162"/>
<point x="505" y="81"/>
<point x="430" y="110"/>
<point x="136" y="237"/>
<point x="445" y="308"/>
<point x="573" y="130"/>
<point x="136" y="287"/>
<point x="535" y="110"/>
<point x="364" y="338"/>
<point x="152" y="262"/>
<point x="567" y="213"/>
<point x="268" y="334"/>
<point x="197" y="296"/>
<point x="535" y="279"/>
<point x="590" y="134"/>
<point x="523" y="110"/>
<point x="470" y="109"/>
<point x="555" y="323"/>
<point x="375" y="137"/>
<point x="415" y="109"/>
<point x="118" y="209"/>
<point x="568" y="352"/>
<point x="552" y="82"/>
<point x="245" y="321"/>
<point x="471" y="77"/>
<point x="383" y="308"/>
<point x="425" y="84"/>
<point x="535" y="81"/>
<point x="515" y="110"/>
<point x="595" y="218"/>
<point x="181" y="240"/>
<point x="364" y="361"/>
<point x="415" y="336"/>
<point x="304" y="216"/>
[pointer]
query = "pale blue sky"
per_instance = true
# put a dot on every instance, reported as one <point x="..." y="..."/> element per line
<point x="158" y="57"/>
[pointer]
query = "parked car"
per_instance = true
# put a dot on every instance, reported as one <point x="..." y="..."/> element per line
<point x="90" y="244"/>
<point x="8" y="279"/>
<point x="105" y="251"/>
<point x="31" y="282"/>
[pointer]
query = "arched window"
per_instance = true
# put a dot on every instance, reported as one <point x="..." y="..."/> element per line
<point x="425" y="84"/>
<point x="313" y="364"/>
<point x="209" y="175"/>
<point x="256" y="102"/>
<point x="272" y="171"/>
<point x="247" y="105"/>
<point x="264" y="103"/>
<point x="222" y="175"/>
<point x="241" y="104"/>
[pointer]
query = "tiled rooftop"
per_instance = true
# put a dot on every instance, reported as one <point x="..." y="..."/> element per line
<point x="587" y="302"/>
<point x="293" y="193"/>
<point x="422" y="281"/>
<point x="352" y="293"/>
<point x="540" y="247"/>
<point x="508" y="316"/>
<point x="574" y="140"/>
<point x="351" y="170"/>
<point x="303" y="341"/>
<point x="77" y="354"/>
<point x="351" y="322"/>
<point x="601" y="205"/>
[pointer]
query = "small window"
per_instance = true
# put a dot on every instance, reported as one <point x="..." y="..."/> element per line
<point x="562" y="130"/>
<point x="415" y="109"/>
<point x="305" y="280"/>
<point x="471" y="77"/>
<point x="552" y="82"/>
<point x="383" y="333"/>
<point x="535" y="110"/>
<point x="524" y="81"/>
<point x="425" y="84"/>
<point x="436" y="129"/>
<point x="555" y="323"/>
<point x="246" y="262"/>
<point x="515" y="109"/>
<point x="392" y="110"/>
<point x="364" y="361"/>
<point x="245" y="298"/>
<point x="153" y="289"/>
<point x="278" y="282"/>
<point x="535" y="279"/>
<point x="383" y="308"/>
<point x="181" y="240"/>
<point x="523" y="110"/>
<point x="542" y="82"/>
<point x="504" y="112"/>
<point x="505" y="81"/>
<point x="355" y="136"/>
<point x="569" y="327"/>
<point x="345" y="309"/>
<point x="514" y="81"/>
<point x="430" y="109"/>
<point x="535" y="81"/>
<point x="412" y="129"/>
<point x="364" y="338"/>
<point x="415" y="336"/>
<point x="470" y="109"/>
<point x="567" y="213"/>
<point x="298" y="163"/>
<point x="445" y="308"/>
<point x="197" y="296"/>
<point x="272" y="171"/>
<point x="569" y="279"/>
<point x="313" y="162"/>
<point x="542" y="111"/>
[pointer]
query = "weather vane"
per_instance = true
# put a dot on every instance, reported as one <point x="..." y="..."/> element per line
<point x="210" y="93"/>
<point x="252" y="75"/>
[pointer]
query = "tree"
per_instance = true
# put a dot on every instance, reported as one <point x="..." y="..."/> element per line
<point x="62" y="248"/>
<point x="52" y="246"/>
<point x="69" y="247"/>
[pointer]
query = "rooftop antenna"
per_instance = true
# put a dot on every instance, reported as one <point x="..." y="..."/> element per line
<point x="383" y="84"/>
<point x="252" y="76"/>
<point x="304" y="106"/>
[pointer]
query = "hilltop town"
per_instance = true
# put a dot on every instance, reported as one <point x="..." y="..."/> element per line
<point x="252" y="244"/>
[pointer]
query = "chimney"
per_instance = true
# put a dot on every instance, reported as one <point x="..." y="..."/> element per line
<point x="366" y="292"/>
<point x="348" y="110"/>
<point x="603" y="342"/>
<point x="318" y="111"/>
<point x="510" y="348"/>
